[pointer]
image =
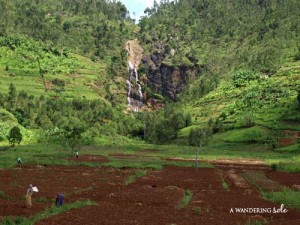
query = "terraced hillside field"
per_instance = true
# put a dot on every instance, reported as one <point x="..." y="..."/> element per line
<point x="173" y="195"/>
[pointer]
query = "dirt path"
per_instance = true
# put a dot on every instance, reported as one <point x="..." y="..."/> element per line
<point x="227" y="164"/>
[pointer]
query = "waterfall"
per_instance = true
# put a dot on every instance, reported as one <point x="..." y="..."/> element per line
<point x="139" y="85"/>
<point x="140" y="92"/>
<point x="129" y="90"/>
<point x="136" y="75"/>
<point x="130" y="67"/>
<point x="134" y="95"/>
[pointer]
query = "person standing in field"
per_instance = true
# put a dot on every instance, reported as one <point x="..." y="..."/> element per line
<point x="29" y="193"/>
<point x="59" y="200"/>
<point x="77" y="155"/>
<point x="19" y="160"/>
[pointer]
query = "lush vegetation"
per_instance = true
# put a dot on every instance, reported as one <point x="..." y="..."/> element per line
<point x="220" y="36"/>
<point x="287" y="197"/>
<point x="63" y="71"/>
<point x="89" y="27"/>
<point x="63" y="77"/>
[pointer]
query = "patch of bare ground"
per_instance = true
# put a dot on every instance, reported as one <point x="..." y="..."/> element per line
<point x="89" y="158"/>
<point x="148" y="151"/>
<point x="234" y="178"/>
<point x="131" y="156"/>
<point x="238" y="163"/>
<point x="241" y="161"/>
<point x="291" y="180"/>
<point x="135" y="52"/>
<point x="261" y="181"/>
<point x="152" y="199"/>
<point x="290" y="137"/>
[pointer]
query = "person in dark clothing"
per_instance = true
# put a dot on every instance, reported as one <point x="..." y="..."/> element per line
<point x="59" y="200"/>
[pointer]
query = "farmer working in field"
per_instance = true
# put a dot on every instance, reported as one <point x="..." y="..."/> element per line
<point x="29" y="193"/>
<point x="19" y="160"/>
<point x="59" y="200"/>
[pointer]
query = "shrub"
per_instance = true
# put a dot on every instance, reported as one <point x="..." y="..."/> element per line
<point x="199" y="136"/>
<point x="247" y="120"/>
<point x="274" y="167"/>
<point x="242" y="77"/>
<point x="218" y="126"/>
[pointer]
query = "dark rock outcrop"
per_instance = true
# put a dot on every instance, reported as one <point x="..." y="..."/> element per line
<point x="164" y="79"/>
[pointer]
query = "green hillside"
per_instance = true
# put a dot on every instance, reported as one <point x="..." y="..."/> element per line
<point x="63" y="72"/>
<point x="247" y="52"/>
<point x="266" y="102"/>
<point x="220" y="36"/>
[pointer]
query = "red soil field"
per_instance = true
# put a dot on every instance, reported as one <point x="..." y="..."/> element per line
<point x="151" y="200"/>
<point x="89" y="158"/>
<point x="291" y="180"/>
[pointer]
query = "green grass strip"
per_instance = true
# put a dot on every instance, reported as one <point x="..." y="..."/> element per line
<point x="224" y="184"/>
<point x="132" y="178"/>
<point x="51" y="211"/>
<point x="287" y="197"/>
<point x="188" y="194"/>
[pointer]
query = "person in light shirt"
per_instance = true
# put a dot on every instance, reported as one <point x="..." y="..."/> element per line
<point x="29" y="193"/>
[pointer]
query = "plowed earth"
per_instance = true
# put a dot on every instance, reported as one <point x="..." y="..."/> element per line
<point x="151" y="200"/>
<point x="89" y="158"/>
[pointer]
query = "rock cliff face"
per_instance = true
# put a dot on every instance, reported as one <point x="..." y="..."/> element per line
<point x="166" y="80"/>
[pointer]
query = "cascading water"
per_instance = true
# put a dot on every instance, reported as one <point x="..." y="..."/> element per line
<point x="134" y="103"/>
<point x="129" y="90"/>
<point x="139" y="85"/>
<point x="134" y="94"/>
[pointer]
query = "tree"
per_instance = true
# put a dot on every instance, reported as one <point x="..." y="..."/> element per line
<point x="12" y="94"/>
<point x="7" y="15"/>
<point x="15" y="136"/>
<point x="73" y="131"/>
<point x="240" y="78"/>
<point x="273" y="138"/>
<point x="44" y="122"/>
<point x="199" y="137"/>
<point x="298" y="97"/>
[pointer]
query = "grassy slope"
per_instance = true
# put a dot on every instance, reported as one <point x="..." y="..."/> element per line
<point x="270" y="112"/>
<point x="274" y="112"/>
<point x="88" y="82"/>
